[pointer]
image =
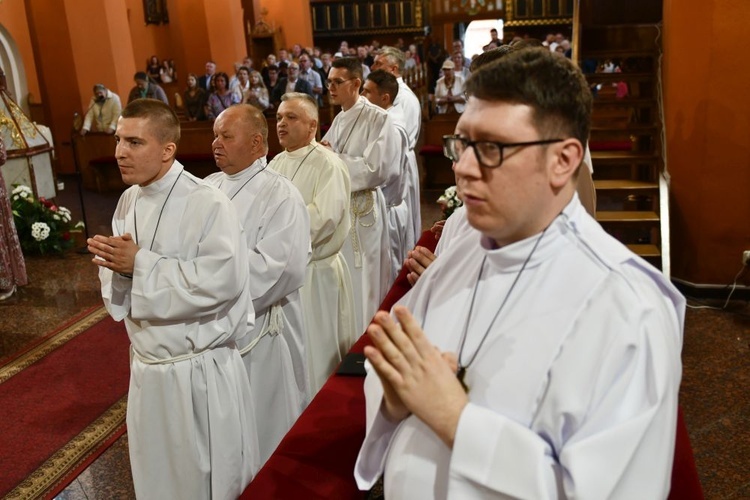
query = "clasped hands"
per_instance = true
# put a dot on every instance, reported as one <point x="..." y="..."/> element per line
<point x="114" y="252"/>
<point x="417" y="377"/>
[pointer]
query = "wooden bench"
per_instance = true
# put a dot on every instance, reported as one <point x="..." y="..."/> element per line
<point x="94" y="154"/>
<point x="437" y="168"/>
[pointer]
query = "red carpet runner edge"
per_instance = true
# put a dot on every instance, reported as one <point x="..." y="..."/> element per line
<point x="63" y="403"/>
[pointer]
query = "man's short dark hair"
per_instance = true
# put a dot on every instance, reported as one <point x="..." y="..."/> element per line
<point x="386" y="82"/>
<point x="551" y="85"/>
<point x="141" y="75"/>
<point x="352" y="64"/>
<point x="163" y="121"/>
<point x="489" y="56"/>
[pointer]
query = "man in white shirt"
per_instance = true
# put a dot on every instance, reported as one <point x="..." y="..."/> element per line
<point x="277" y="233"/>
<point x="541" y="358"/>
<point x="173" y="270"/>
<point x="381" y="88"/>
<point x="103" y="111"/>
<point x="392" y="60"/>
<point x="311" y="76"/>
<point x="363" y="136"/>
<point x="323" y="180"/>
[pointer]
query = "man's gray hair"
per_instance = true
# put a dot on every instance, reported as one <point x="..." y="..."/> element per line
<point x="306" y="100"/>
<point x="395" y="56"/>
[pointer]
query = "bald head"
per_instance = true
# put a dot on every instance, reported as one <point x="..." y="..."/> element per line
<point x="240" y="138"/>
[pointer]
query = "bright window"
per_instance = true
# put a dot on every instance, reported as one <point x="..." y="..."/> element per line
<point x="478" y="35"/>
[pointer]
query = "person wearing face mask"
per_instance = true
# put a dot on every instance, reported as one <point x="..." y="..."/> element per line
<point x="103" y="111"/>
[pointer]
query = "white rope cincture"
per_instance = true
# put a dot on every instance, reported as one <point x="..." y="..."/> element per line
<point x="360" y="210"/>
<point x="273" y="325"/>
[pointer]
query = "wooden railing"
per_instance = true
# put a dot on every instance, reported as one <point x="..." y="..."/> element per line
<point x="95" y="154"/>
<point x="417" y="78"/>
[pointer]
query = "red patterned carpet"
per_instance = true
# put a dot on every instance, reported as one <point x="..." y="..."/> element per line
<point x="63" y="402"/>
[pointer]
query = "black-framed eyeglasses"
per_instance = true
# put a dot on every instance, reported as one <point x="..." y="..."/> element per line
<point x="489" y="153"/>
<point x="336" y="83"/>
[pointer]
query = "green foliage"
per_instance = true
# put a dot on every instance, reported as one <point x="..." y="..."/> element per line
<point x="42" y="226"/>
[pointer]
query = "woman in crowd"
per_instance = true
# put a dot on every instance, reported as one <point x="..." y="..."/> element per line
<point x="195" y="99"/>
<point x="12" y="265"/>
<point x="461" y="68"/>
<point x="221" y="98"/>
<point x="166" y="71"/>
<point x="153" y="69"/>
<point x="257" y="95"/>
<point x="273" y="77"/>
<point x="242" y="86"/>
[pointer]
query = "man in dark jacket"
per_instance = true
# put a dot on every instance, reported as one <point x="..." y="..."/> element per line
<point x="144" y="88"/>
<point x="292" y="83"/>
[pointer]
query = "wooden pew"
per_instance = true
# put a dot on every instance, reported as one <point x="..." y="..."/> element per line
<point x="94" y="154"/>
<point x="89" y="153"/>
<point x="438" y="171"/>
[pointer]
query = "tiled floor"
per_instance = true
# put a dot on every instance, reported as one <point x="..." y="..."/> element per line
<point x="714" y="394"/>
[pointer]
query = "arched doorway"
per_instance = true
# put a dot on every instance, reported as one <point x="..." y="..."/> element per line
<point x="12" y="65"/>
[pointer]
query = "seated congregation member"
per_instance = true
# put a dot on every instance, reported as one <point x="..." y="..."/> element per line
<point x="153" y="68"/>
<point x="381" y="88"/>
<point x="323" y="179"/>
<point x="145" y="89"/>
<point x="167" y="73"/>
<point x="103" y="111"/>
<point x="311" y="76"/>
<point x="221" y="98"/>
<point x="449" y="91"/>
<point x="290" y="83"/>
<point x="206" y="81"/>
<point x="277" y="232"/>
<point x="173" y="270"/>
<point x="194" y="99"/>
<point x="537" y="357"/>
<point x="257" y="94"/>
<point x="242" y="84"/>
<point x="363" y="136"/>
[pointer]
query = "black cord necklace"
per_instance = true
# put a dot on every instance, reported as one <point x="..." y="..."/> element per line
<point x="303" y="161"/>
<point x="461" y="373"/>
<point x="261" y="169"/>
<point x="158" y="220"/>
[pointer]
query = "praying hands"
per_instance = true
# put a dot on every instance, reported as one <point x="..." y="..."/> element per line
<point x="418" y="260"/>
<point x="417" y="378"/>
<point x="114" y="252"/>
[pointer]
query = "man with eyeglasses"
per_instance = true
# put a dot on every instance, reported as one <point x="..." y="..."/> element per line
<point x="364" y="137"/>
<point x="291" y="83"/>
<point x="308" y="73"/>
<point x="537" y="357"/>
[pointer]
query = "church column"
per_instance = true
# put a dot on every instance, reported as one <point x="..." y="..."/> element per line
<point x="77" y="44"/>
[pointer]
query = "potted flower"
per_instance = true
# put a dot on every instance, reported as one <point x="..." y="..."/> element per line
<point x="449" y="201"/>
<point x="42" y="226"/>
